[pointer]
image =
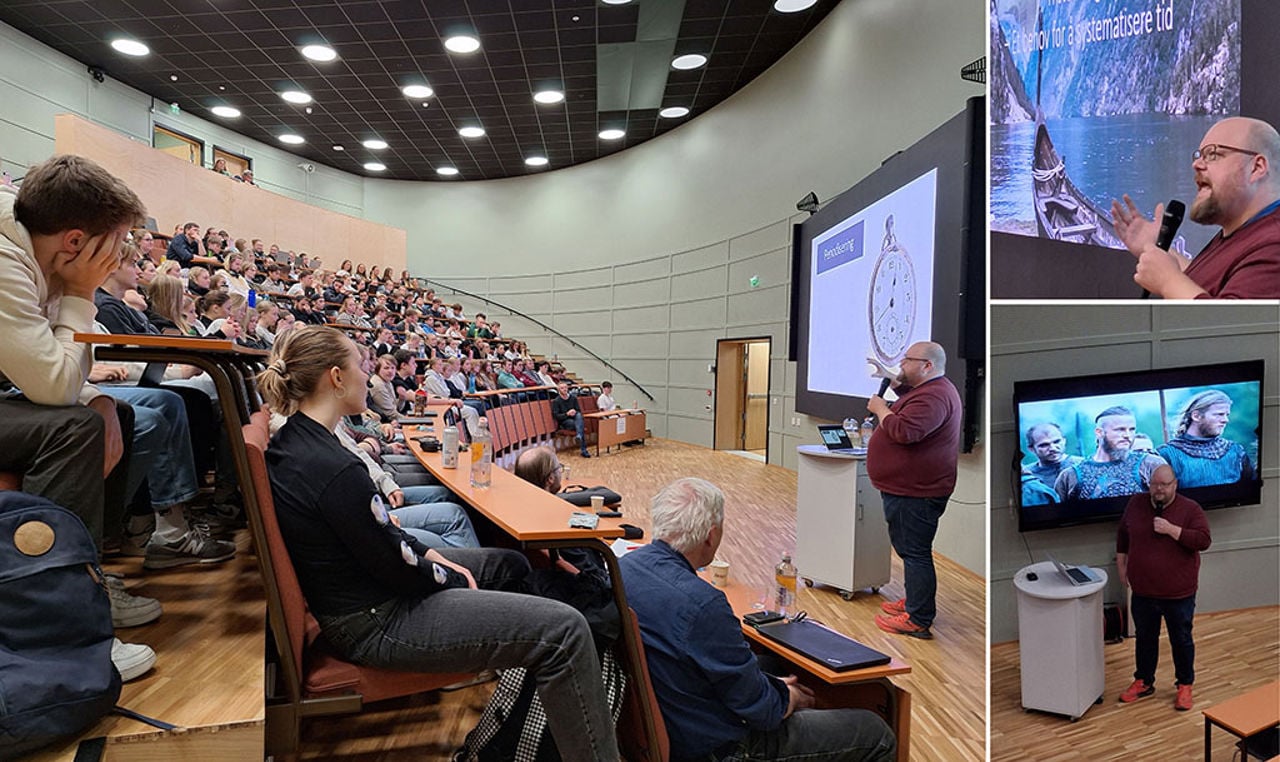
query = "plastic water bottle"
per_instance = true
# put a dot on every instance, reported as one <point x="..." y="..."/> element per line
<point x="851" y="430"/>
<point x="449" y="448"/>
<point x="785" y="576"/>
<point x="481" y="456"/>
<point x="868" y="428"/>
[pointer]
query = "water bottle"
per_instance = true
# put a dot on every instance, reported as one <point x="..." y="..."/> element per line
<point x="851" y="430"/>
<point x="449" y="448"/>
<point x="481" y="456"/>
<point x="868" y="428"/>
<point x="785" y="575"/>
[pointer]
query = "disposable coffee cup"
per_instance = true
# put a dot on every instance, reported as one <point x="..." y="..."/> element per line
<point x="597" y="502"/>
<point x="719" y="573"/>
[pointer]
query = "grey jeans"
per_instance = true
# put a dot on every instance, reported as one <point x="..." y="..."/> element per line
<point x="461" y="630"/>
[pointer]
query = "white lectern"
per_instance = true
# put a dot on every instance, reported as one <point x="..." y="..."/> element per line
<point x="842" y="539"/>
<point x="1059" y="640"/>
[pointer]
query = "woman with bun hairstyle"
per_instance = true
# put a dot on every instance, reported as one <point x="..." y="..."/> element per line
<point x="384" y="599"/>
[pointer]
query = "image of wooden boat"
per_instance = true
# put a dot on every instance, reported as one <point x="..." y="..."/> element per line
<point x="1063" y="213"/>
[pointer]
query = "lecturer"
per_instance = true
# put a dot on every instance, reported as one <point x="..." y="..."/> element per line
<point x="912" y="461"/>
<point x="1237" y="174"/>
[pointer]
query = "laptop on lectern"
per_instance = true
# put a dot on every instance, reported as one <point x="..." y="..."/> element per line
<point x="837" y="440"/>
<point x="1076" y="575"/>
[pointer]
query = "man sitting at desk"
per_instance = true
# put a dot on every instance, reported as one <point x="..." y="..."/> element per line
<point x="716" y="701"/>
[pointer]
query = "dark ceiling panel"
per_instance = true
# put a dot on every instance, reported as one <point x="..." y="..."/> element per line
<point x="250" y="48"/>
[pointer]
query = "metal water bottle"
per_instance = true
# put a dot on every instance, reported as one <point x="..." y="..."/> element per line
<point x="449" y="448"/>
<point x="481" y="456"/>
<point x="785" y="576"/>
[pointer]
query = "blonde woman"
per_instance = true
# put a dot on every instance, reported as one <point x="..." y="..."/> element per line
<point x="166" y="313"/>
<point x="384" y="599"/>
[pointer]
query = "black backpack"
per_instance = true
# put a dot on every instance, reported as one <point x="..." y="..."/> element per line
<point x="56" y="675"/>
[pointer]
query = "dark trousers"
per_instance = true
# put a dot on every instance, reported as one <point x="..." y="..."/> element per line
<point x="913" y="522"/>
<point x="1177" y="614"/>
<point x="59" y="452"/>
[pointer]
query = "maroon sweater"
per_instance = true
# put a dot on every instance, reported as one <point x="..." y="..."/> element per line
<point x="913" y="452"/>
<point x="1245" y="265"/>
<point x="1160" y="566"/>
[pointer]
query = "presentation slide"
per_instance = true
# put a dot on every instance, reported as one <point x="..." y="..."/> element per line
<point x="871" y="288"/>
<point x="1092" y="99"/>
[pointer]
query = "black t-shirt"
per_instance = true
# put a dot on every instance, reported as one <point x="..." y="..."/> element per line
<point x="409" y="384"/>
<point x="346" y="552"/>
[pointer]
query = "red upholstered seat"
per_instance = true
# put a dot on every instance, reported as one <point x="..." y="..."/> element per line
<point x="10" y="480"/>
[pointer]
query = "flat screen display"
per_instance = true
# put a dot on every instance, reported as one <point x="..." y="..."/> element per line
<point x="1087" y="444"/>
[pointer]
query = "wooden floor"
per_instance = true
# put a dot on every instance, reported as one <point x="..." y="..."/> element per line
<point x="1236" y="651"/>
<point x="208" y="677"/>
<point x="948" y="678"/>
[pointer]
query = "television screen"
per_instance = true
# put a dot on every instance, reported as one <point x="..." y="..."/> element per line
<point x="1089" y="443"/>
<point x="1091" y="99"/>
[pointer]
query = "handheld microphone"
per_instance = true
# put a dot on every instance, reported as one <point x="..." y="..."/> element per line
<point x="884" y="387"/>
<point x="1169" y="224"/>
<point x="1158" y="508"/>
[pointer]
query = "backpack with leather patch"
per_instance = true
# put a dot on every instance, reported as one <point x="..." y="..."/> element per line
<point x="56" y="675"/>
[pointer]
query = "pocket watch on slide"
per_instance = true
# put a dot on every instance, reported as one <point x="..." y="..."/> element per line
<point x="891" y="303"/>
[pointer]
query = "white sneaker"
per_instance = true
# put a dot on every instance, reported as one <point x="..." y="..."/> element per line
<point x="130" y="610"/>
<point x="132" y="660"/>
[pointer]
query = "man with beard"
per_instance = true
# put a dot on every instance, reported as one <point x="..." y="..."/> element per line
<point x="1237" y="172"/>
<point x="1199" y="453"/>
<point x="1049" y="446"/>
<point x="1115" y="469"/>
<point x="912" y="461"/>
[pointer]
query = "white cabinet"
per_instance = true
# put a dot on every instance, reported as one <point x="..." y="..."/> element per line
<point x="842" y="539"/>
<point x="1059" y="640"/>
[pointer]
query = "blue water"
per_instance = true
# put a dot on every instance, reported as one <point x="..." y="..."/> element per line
<point x="1147" y="156"/>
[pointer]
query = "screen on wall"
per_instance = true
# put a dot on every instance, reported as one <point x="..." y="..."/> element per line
<point x="1092" y="99"/>
<point x="1089" y="443"/>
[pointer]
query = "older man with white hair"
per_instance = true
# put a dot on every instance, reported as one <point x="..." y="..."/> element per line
<point x="716" y="701"/>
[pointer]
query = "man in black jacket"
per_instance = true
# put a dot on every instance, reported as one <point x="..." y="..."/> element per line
<point x="568" y="416"/>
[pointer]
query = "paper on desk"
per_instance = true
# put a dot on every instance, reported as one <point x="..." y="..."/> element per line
<point x="621" y="547"/>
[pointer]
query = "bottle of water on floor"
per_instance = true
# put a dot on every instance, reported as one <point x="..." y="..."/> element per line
<point x="481" y="456"/>
<point x="785" y="576"/>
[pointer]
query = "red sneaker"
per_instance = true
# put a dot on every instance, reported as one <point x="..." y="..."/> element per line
<point x="1183" y="702"/>
<point x="902" y="625"/>
<point x="1137" y="691"/>
<point x="894" y="608"/>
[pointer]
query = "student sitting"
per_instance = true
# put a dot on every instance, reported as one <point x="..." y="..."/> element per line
<point x="384" y="599"/>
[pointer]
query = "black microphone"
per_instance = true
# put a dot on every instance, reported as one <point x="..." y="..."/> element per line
<point x="1169" y="224"/>
<point x="1158" y="508"/>
<point x="884" y="386"/>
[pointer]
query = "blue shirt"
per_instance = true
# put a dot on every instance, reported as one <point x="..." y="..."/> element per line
<point x="709" y="686"/>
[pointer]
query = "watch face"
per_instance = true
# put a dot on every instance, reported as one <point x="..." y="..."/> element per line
<point x="891" y="303"/>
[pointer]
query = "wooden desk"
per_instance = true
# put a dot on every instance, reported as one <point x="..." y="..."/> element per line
<point x="1245" y="715"/>
<point x="868" y="688"/>
<point x="633" y="427"/>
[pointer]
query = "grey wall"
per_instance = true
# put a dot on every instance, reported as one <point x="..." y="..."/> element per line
<point x="37" y="83"/>
<point x="1242" y="567"/>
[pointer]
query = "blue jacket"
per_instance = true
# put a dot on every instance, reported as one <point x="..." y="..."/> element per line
<point x="709" y="686"/>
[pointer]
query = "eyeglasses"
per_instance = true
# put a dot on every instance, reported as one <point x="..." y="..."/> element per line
<point x="1211" y="152"/>
<point x="917" y="359"/>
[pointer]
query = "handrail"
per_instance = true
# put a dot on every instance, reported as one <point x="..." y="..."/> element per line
<point x="543" y="325"/>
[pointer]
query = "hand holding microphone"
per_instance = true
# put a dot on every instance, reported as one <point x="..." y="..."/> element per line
<point x="1156" y="265"/>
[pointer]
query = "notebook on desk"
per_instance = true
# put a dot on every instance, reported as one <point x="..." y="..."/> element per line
<point x="823" y="645"/>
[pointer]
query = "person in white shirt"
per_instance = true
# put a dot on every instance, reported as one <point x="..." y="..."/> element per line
<point x="605" y="400"/>
<point x="434" y="382"/>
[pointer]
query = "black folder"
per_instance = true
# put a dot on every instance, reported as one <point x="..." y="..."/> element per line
<point x="822" y="645"/>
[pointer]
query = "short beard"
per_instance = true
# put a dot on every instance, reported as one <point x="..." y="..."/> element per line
<point x="1206" y="212"/>
<point x="1112" y="453"/>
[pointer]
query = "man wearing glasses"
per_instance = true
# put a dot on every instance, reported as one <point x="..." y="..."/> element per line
<point x="1237" y="172"/>
<point x="912" y="461"/>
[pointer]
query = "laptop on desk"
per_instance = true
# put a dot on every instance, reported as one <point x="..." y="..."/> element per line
<point x="823" y="645"/>
<point x="837" y="440"/>
<point x="1076" y="575"/>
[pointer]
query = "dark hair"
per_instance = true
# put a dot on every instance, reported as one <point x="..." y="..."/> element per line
<point x="605" y="385"/>
<point x="1114" y="410"/>
<point x="212" y="299"/>
<point x="73" y="193"/>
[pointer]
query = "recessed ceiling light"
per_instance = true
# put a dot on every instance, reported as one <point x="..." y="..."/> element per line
<point x="130" y="47"/>
<point x="673" y="112"/>
<point x="462" y="43"/>
<point x="548" y="96"/>
<point x="536" y="161"/>
<point x="291" y="139"/>
<point x="173" y="77"/>
<point x="375" y="144"/>
<point x="446" y="171"/>
<point x="319" y="52"/>
<point x="339" y="147"/>
<point x="418" y="91"/>
<point x="689" y="61"/>
<point x="308" y="109"/>
<point x="616" y="2"/>
<point x="792" y="6"/>
<point x="612" y="134"/>
<point x="471" y="132"/>
<point x="228" y="112"/>
<point x="222" y="87"/>
<point x="296" y="96"/>
<point x="374" y="166"/>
